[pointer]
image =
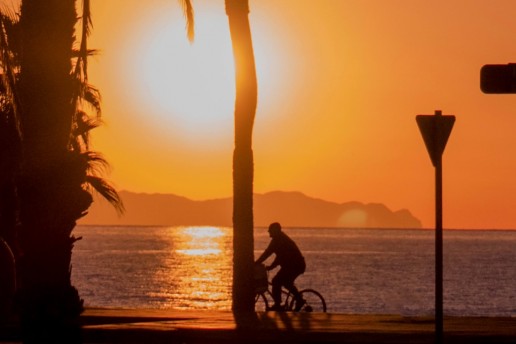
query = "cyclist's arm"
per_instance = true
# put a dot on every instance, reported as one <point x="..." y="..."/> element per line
<point x="274" y="264"/>
<point x="266" y="254"/>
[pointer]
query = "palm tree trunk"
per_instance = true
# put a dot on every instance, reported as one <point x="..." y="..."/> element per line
<point x="8" y="210"/>
<point x="243" y="166"/>
<point x="50" y="188"/>
<point x="9" y="162"/>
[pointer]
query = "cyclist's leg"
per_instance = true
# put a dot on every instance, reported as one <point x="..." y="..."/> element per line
<point x="314" y="301"/>
<point x="277" y="282"/>
<point x="291" y="277"/>
<point x="288" y="277"/>
<point x="293" y="273"/>
<point x="291" y="287"/>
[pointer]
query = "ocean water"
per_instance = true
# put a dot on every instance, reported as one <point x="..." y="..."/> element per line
<point x="381" y="271"/>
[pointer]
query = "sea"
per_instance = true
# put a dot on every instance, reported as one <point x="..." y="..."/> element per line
<point x="358" y="271"/>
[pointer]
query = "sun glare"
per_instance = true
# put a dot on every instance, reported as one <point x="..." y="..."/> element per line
<point x="185" y="93"/>
<point x="202" y="241"/>
<point x="203" y="232"/>
<point x="189" y="87"/>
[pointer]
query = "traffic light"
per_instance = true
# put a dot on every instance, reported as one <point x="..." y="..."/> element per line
<point x="498" y="78"/>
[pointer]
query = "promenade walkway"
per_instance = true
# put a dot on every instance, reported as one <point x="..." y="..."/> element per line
<point x="196" y="327"/>
<point x="159" y="326"/>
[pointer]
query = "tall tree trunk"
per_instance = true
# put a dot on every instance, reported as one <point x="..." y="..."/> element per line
<point x="243" y="166"/>
<point x="9" y="162"/>
<point x="9" y="156"/>
<point x="50" y="192"/>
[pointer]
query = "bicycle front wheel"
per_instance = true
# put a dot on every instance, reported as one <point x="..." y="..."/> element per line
<point x="261" y="304"/>
<point x="314" y="301"/>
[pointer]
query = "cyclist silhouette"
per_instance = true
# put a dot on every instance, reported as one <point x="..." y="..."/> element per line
<point x="291" y="261"/>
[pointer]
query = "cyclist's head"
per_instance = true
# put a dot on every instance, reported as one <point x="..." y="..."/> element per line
<point x="274" y="228"/>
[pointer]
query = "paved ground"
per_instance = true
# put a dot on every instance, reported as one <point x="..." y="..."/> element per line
<point x="161" y="326"/>
<point x="156" y="326"/>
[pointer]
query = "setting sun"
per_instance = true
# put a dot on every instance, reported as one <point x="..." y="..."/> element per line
<point x="187" y="86"/>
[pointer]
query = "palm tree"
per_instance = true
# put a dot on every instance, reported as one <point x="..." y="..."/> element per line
<point x="47" y="90"/>
<point x="243" y="165"/>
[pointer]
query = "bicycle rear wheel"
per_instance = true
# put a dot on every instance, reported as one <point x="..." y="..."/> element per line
<point x="314" y="301"/>
<point x="261" y="304"/>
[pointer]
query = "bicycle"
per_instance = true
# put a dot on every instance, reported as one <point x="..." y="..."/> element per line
<point x="314" y="300"/>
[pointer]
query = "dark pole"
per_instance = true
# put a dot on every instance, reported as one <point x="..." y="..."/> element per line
<point x="438" y="244"/>
<point x="435" y="130"/>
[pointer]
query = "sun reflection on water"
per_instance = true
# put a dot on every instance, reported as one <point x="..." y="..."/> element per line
<point x="197" y="272"/>
<point x="202" y="241"/>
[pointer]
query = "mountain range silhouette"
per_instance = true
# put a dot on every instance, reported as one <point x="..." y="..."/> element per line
<point x="291" y="209"/>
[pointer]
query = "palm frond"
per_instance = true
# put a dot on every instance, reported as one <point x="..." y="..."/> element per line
<point x="97" y="165"/>
<point x="80" y="71"/>
<point x="107" y="191"/>
<point x="87" y="24"/>
<point x="84" y="54"/>
<point x="83" y="124"/>
<point x="92" y="96"/>
<point x="85" y="93"/>
<point x="188" y="13"/>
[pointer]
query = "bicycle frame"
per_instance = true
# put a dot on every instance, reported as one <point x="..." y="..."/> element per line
<point x="314" y="300"/>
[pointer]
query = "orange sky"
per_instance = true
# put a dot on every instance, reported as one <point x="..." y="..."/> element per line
<point x="340" y="84"/>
